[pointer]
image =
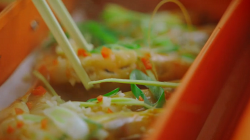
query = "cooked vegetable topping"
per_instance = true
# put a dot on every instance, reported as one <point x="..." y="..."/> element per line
<point x="117" y="101"/>
<point x="146" y="62"/>
<point x="19" y="111"/>
<point x="157" y="91"/>
<point x="39" y="91"/>
<point x="113" y="92"/>
<point x="99" y="98"/>
<point x="68" y="122"/>
<point x="29" y="104"/>
<point x="10" y="129"/>
<point x="55" y="62"/>
<point x="109" y="110"/>
<point x="82" y="52"/>
<point x="45" y="82"/>
<point x="140" y="98"/>
<point x="106" y="52"/>
<point x="44" y="124"/>
<point x="139" y="82"/>
<point x="32" y="118"/>
<point x="19" y="124"/>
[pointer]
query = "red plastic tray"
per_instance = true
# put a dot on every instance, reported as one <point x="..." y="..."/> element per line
<point x="215" y="90"/>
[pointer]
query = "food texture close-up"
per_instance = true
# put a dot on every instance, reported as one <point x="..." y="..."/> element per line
<point x="124" y="70"/>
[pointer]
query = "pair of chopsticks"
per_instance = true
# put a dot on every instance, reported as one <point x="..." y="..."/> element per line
<point x="68" y="23"/>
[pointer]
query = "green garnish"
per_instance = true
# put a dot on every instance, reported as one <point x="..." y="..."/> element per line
<point x="138" y="92"/>
<point x="111" y="93"/>
<point x="118" y="46"/>
<point x="188" y="57"/>
<point x="138" y="82"/>
<point x="47" y="85"/>
<point x="151" y="74"/>
<point x="32" y="118"/>
<point x="117" y="101"/>
<point x="68" y="122"/>
<point x="100" y="34"/>
<point x="157" y="91"/>
<point x="94" y="127"/>
<point x="62" y="40"/>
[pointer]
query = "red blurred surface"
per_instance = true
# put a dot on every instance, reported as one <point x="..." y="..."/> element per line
<point x="221" y="70"/>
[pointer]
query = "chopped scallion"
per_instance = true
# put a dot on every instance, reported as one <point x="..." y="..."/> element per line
<point x="138" y="82"/>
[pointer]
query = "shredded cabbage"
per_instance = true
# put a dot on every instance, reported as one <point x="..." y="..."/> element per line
<point x="68" y="122"/>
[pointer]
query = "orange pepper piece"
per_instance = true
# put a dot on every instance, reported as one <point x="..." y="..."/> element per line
<point x="39" y="91"/>
<point x="19" y="124"/>
<point x="82" y="52"/>
<point x="44" y="123"/>
<point x="99" y="98"/>
<point x="29" y="104"/>
<point x="10" y="129"/>
<point x="109" y="110"/>
<point x="19" y="111"/>
<point x="140" y="98"/>
<point x="146" y="63"/>
<point x="106" y="52"/>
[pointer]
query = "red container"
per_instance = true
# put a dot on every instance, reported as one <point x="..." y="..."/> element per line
<point x="215" y="90"/>
<point x="21" y="30"/>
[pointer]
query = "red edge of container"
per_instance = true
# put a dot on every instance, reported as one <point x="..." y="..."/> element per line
<point x="213" y="74"/>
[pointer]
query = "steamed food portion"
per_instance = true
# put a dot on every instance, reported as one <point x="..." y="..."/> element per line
<point x="123" y="26"/>
<point x="40" y="116"/>
<point x="114" y="62"/>
<point x="121" y="45"/>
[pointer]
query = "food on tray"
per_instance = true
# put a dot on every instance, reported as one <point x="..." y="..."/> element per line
<point x="122" y="55"/>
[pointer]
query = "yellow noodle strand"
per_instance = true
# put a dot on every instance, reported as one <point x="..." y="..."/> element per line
<point x="181" y="6"/>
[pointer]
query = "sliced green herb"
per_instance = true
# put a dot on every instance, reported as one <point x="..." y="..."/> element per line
<point x="138" y="92"/>
<point x="188" y="57"/>
<point x="157" y="91"/>
<point x="138" y="82"/>
<point x="117" y="101"/>
<point x="99" y="33"/>
<point x="47" y="85"/>
<point x="68" y="122"/>
<point x="94" y="127"/>
<point x="111" y="93"/>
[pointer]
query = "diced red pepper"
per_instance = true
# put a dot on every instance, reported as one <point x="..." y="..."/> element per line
<point x="19" y="111"/>
<point x="39" y="91"/>
<point x="106" y="52"/>
<point x="147" y="55"/>
<point x="146" y="62"/>
<point x="55" y="62"/>
<point x="82" y="52"/>
<point x="44" y="124"/>
<point x="19" y="124"/>
<point x="10" y="129"/>
<point x="44" y="71"/>
<point x="140" y="98"/>
<point x="109" y="110"/>
<point x="100" y="98"/>
<point x="29" y="104"/>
